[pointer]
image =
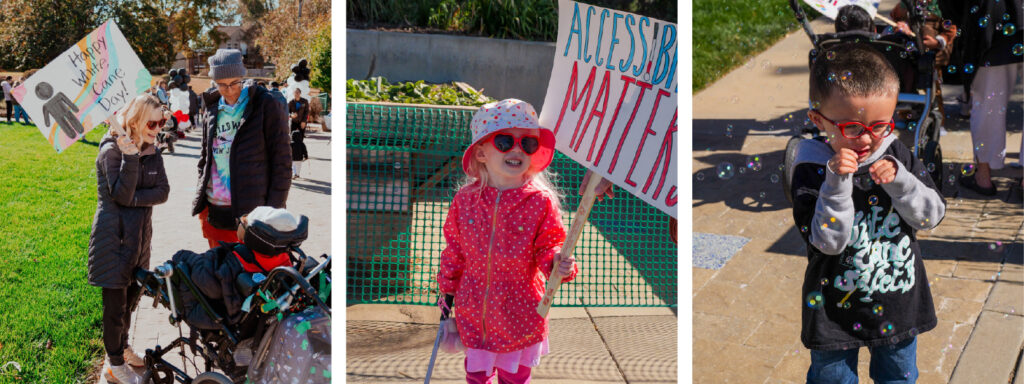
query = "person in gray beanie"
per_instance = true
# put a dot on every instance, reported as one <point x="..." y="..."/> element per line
<point x="246" y="157"/>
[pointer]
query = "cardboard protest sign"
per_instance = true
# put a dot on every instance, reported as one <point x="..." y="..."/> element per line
<point x="830" y="8"/>
<point x="83" y="86"/>
<point x="611" y="100"/>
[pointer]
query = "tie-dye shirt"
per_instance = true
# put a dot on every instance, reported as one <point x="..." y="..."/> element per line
<point x="229" y="119"/>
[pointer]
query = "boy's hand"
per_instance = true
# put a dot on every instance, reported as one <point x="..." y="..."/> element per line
<point x="883" y="171"/>
<point x="843" y="162"/>
<point x="565" y="265"/>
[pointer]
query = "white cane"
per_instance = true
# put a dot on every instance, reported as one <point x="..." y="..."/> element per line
<point x="445" y="312"/>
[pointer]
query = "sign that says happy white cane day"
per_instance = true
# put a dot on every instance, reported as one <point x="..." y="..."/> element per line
<point x="83" y="86"/>
<point x="611" y="100"/>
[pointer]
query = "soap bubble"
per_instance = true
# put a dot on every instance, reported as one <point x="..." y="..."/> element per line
<point x="725" y="170"/>
<point x="754" y="162"/>
<point x="815" y="300"/>
<point x="931" y="167"/>
<point x="886" y="328"/>
<point x="974" y="9"/>
<point x="831" y="55"/>
<point x="832" y="77"/>
<point x="873" y="200"/>
<point x="968" y="68"/>
<point x="878" y="309"/>
<point x="983" y="21"/>
<point x="856" y="326"/>
<point x="1017" y="49"/>
<point x="947" y="23"/>
<point x="824" y="282"/>
<point x="967" y="169"/>
<point x="774" y="178"/>
<point x="951" y="69"/>
<point x="700" y="176"/>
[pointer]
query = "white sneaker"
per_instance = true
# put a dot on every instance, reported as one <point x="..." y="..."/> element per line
<point x="132" y="358"/>
<point x="122" y="374"/>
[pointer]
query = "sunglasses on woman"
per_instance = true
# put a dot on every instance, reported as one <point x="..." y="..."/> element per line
<point x="504" y="142"/>
<point x="154" y="124"/>
<point x="855" y="129"/>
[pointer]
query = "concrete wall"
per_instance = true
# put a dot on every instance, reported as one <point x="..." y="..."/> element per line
<point x="503" y="68"/>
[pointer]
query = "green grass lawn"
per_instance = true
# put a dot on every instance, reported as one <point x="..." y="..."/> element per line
<point x="50" y="317"/>
<point x="727" y="33"/>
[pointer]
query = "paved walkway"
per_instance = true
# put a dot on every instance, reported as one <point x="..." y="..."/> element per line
<point x="749" y="309"/>
<point x="392" y="344"/>
<point x="174" y="228"/>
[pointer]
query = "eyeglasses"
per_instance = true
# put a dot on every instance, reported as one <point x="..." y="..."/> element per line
<point x="154" y="124"/>
<point x="855" y="129"/>
<point x="234" y="84"/>
<point x="504" y="142"/>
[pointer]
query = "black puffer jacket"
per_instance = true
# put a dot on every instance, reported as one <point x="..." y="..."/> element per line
<point x="214" y="273"/>
<point x="129" y="186"/>
<point x="261" y="156"/>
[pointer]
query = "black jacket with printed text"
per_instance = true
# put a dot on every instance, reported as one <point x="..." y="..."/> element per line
<point x="865" y="282"/>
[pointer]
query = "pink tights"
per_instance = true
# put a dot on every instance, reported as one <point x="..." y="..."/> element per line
<point x="480" y="377"/>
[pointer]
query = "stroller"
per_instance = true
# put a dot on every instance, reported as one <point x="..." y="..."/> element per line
<point x="919" y="101"/>
<point x="289" y="305"/>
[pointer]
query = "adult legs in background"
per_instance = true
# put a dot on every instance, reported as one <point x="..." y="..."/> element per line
<point x="213" y="235"/>
<point x="991" y="93"/>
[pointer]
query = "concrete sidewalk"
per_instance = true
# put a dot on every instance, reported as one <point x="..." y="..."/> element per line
<point x="174" y="227"/>
<point x="746" y="314"/>
<point x="392" y="344"/>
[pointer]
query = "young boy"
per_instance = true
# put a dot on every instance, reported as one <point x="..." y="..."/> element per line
<point x="859" y="195"/>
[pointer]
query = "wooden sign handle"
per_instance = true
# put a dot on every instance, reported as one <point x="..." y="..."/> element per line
<point x="582" y="212"/>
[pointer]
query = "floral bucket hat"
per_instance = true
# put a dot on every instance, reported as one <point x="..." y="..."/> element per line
<point x="509" y="114"/>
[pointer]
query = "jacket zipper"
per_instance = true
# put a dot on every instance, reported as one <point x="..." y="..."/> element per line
<point x="490" y="247"/>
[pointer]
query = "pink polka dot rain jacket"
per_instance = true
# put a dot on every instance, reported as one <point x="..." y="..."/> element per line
<point x="501" y="247"/>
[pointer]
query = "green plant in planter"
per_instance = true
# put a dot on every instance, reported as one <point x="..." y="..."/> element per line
<point x="418" y="92"/>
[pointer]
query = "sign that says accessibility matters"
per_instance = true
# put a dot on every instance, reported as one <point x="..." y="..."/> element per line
<point x="611" y="100"/>
<point x="83" y="86"/>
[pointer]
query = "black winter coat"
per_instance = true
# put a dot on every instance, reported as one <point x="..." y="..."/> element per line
<point x="129" y="186"/>
<point x="261" y="156"/>
<point x="214" y="273"/>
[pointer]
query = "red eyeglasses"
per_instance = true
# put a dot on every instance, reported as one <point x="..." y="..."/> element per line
<point x="855" y="129"/>
<point x="504" y="142"/>
<point x="154" y="124"/>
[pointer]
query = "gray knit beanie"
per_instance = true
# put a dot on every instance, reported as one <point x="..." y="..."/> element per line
<point x="226" y="63"/>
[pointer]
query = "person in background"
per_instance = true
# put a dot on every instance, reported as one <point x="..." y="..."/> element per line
<point x="6" y="84"/>
<point x="299" y="112"/>
<point x="161" y="92"/>
<point x="246" y="158"/>
<point x="19" y="112"/>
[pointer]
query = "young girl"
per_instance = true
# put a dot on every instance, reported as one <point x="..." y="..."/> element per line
<point x="503" y="231"/>
<point x="131" y="180"/>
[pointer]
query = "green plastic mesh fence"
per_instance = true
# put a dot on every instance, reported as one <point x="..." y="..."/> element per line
<point x="404" y="163"/>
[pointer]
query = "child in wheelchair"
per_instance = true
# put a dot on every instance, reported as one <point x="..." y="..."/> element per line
<point x="237" y="296"/>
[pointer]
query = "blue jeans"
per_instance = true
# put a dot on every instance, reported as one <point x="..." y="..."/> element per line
<point x="890" y="364"/>
<point x="19" y="112"/>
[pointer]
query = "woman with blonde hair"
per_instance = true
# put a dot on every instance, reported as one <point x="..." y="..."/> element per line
<point x="130" y="180"/>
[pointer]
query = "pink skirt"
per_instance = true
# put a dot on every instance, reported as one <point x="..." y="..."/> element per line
<point x="481" y="360"/>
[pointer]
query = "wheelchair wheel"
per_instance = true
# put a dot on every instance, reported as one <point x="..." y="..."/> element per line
<point x="932" y="154"/>
<point x="790" y="158"/>
<point x="211" y="378"/>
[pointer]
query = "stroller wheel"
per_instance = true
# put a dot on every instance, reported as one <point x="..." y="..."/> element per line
<point x="790" y="158"/>
<point x="933" y="155"/>
<point x="211" y="378"/>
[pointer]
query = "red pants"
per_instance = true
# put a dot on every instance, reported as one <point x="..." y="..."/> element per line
<point x="214" y="235"/>
<point x="520" y="377"/>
